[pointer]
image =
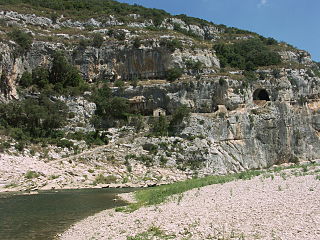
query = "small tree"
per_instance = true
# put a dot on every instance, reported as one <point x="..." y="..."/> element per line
<point x="23" y="39"/>
<point x="40" y="77"/>
<point x="174" y="73"/>
<point x="160" y="127"/>
<point x="26" y="79"/>
<point x="97" y="40"/>
<point x="178" y="117"/>
<point x="63" y="72"/>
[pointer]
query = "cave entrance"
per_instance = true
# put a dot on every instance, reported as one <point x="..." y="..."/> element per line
<point x="261" y="95"/>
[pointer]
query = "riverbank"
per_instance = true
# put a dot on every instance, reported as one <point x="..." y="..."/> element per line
<point x="31" y="174"/>
<point x="274" y="205"/>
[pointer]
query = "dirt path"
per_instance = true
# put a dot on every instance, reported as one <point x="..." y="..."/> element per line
<point x="267" y="207"/>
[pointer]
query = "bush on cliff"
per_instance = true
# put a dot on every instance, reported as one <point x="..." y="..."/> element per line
<point x="31" y="119"/>
<point x="108" y="107"/>
<point x="246" y="55"/>
<point x="173" y="74"/>
<point x="62" y="78"/>
<point x="23" y="39"/>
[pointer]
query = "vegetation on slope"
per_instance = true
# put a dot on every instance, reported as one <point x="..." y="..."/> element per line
<point x="85" y="9"/>
<point x="61" y="78"/>
<point x="248" y="54"/>
<point x="160" y="194"/>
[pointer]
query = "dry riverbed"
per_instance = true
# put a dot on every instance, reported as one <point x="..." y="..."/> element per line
<point x="282" y="205"/>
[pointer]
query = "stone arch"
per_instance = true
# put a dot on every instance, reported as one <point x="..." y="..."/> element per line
<point x="261" y="94"/>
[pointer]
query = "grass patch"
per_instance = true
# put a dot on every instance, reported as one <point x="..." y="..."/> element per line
<point x="101" y="179"/>
<point x="31" y="174"/>
<point x="152" y="233"/>
<point x="160" y="194"/>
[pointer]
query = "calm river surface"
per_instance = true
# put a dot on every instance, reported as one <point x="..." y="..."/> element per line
<point x="43" y="215"/>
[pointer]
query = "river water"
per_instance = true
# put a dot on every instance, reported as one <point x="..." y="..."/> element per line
<point x="42" y="216"/>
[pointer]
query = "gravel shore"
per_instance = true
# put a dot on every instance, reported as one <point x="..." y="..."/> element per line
<point x="276" y="206"/>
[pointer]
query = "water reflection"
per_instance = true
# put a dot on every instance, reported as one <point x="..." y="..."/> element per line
<point x="44" y="215"/>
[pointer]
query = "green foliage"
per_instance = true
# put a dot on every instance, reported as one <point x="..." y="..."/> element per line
<point x="83" y="43"/>
<point x="91" y="138"/>
<point x="108" y="107"/>
<point x="23" y="39"/>
<point x="163" y="161"/>
<point x="136" y="42"/>
<point x="119" y="83"/>
<point x="62" y="78"/>
<point x="247" y="55"/>
<point x="152" y="233"/>
<point x="31" y="175"/>
<point x="97" y="40"/>
<point x="250" y="76"/>
<point x="101" y="179"/>
<point x="120" y="36"/>
<point x="62" y="72"/>
<point x="160" y="127"/>
<point x="268" y="41"/>
<point x="159" y="194"/>
<point x="40" y="77"/>
<point x="26" y="79"/>
<point x="30" y="119"/>
<point x="150" y="147"/>
<point x="146" y="160"/>
<point x="173" y="74"/>
<point x="178" y="117"/>
<point x="194" y="65"/>
<point x="4" y="146"/>
<point x="65" y="143"/>
<point x="171" y="45"/>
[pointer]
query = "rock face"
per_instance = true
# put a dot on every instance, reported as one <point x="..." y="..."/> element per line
<point x="236" y="123"/>
<point x="257" y="138"/>
<point x="110" y="62"/>
<point x="250" y="131"/>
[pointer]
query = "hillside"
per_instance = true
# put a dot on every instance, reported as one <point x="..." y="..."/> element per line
<point x="100" y="92"/>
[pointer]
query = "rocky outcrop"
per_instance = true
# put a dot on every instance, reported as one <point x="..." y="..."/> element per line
<point x="206" y="94"/>
<point x="302" y="57"/>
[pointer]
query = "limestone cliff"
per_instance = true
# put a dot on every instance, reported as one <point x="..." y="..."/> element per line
<point x="238" y="122"/>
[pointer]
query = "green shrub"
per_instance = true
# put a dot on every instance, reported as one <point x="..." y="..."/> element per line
<point x="163" y="160"/>
<point x="40" y="77"/>
<point x="30" y="119"/>
<point x="171" y="45"/>
<point x="108" y="108"/>
<point x="146" y="160"/>
<point x="160" y="127"/>
<point x="4" y="146"/>
<point x="20" y="146"/>
<point x="97" y="40"/>
<point x="64" y="143"/>
<point x="31" y="174"/>
<point x="23" y="39"/>
<point x="194" y="65"/>
<point x="178" y="117"/>
<point x="136" y="42"/>
<point x="101" y="179"/>
<point x="173" y="74"/>
<point x="246" y="55"/>
<point x="150" y="147"/>
<point x="63" y="72"/>
<point x="25" y="79"/>
<point x="83" y="43"/>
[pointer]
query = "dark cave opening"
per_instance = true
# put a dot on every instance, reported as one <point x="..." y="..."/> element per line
<point x="261" y="94"/>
